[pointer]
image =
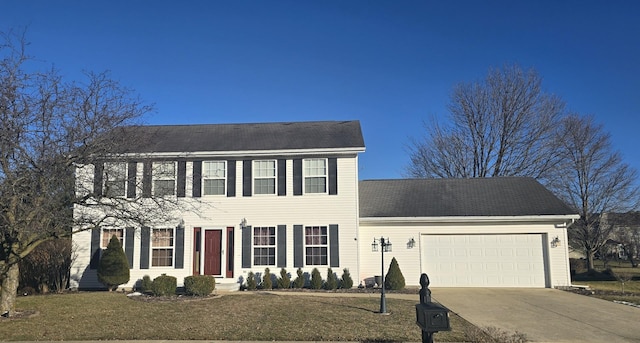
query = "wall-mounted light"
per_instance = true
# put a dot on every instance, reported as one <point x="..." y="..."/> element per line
<point x="411" y="243"/>
<point x="243" y="222"/>
<point x="555" y="242"/>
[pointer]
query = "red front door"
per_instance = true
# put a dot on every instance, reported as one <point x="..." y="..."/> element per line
<point x="212" y="246"/>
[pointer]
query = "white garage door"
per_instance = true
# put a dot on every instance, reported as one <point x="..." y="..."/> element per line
<point x="484" y="260"/>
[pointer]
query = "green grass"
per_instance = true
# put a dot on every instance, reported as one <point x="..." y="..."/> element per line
<point x="246" y="316"/>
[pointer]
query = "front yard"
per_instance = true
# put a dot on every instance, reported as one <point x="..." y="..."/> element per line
<point x="246" y="316"/>
<point x="607" y="281"/>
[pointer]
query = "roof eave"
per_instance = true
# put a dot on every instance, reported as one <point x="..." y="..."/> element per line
<point x="241" y="153"/>
<point x="561" y="218"/>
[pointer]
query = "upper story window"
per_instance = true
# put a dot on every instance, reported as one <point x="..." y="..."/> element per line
<point x="214" y="177"/>
<point x="164" y="178"/>
<point x="108" y="233"/>
<point x="315" y="175"/>
<point x="162" y="248"/>
<point x="114" y="179"/>
<point x="264" y="246"/>
<point x="264" y="177"/>
<point x="315" y="241"/>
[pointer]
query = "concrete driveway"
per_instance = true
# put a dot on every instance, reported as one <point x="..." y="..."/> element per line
<point x="544" y="315"/>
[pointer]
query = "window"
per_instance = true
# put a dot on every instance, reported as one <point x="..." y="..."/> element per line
<point x="214" y="177"/>
<point x="114" y="179"/>
<point x="264" y="177"/>
<point x="264" y="246"/>
<point x="164" y="178"/>
<point x="108" y="233"/>
<point x="162" y="248"/>
<point x="315" y="238"/>
<point x="315" y="175"/>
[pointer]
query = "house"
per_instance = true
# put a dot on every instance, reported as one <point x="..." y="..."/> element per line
<point x="287" y="195"/>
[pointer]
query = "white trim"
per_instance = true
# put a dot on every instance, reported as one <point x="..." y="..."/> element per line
<point x="245" y="153"/>
<point x="468" y="219"/>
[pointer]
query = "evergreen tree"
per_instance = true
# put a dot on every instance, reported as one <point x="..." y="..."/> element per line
<point x="284" y="281"/>
<point x="332" y="280"/>
<point x="299" y="281"/>
<point x="346" y="282"/>
<point x="394" y="279"/>
<point x="267" y="283"/>
<point x="316" y="279"/>
<point x="113" y="269"/>
<point x="251" y="282"/>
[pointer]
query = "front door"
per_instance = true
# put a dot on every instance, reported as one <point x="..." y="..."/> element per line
<point x="212" y="255"/>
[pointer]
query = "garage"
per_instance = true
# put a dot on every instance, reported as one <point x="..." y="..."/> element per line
<point x="484" y="260"/>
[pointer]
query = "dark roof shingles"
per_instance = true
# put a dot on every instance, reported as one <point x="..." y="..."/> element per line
<point x="500" y="196"/>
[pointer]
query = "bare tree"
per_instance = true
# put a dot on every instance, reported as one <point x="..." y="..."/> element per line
<point x="626" y="232"/>
<point x="594" y="180"/>
<point x="502" y="126"/>
<point x="51" y="131"/>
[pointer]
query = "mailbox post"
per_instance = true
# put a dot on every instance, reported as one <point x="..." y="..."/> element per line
<point x="429" y="316"/>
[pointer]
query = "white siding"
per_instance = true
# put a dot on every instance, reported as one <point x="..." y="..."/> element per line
<point x="410" y="260"/>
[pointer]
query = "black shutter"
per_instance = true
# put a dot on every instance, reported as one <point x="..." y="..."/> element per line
<point x="179" y="248"/>
<point x="246" y="247"/>
<point x="182" y="179"/>
<point x="297" y="177"/>
<point x="146" y="179"/>
<point x="97" y="179"/>
<point x="298" y="253"/>
<point x="197" y="179"/>
<point x="132" y="171"/>
<point x="246" y="178"/>
<point x="231" y="178"/>
<point x="333" y="176"/>
<point x="282" y="177"/>
<point x="128" y="245"/>
<point x="145" y="241"/>
<point x="334" y="251"/>
<point x="282" y="246"/>
<point x="95" y="249"/>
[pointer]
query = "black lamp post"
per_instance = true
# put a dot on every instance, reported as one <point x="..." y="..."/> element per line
<point x="385" y="246"/>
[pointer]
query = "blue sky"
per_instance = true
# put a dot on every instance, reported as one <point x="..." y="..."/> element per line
<point x="389" y="64"/>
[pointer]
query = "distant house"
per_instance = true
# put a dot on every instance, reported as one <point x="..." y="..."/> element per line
<point x="287" y="195"/>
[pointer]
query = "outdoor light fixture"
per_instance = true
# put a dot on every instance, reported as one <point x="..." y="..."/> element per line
<point x="555" y="242"/>
<point x="385" y="245"/>
<point x="411" y="243"/>
<point x="243" y="222"/>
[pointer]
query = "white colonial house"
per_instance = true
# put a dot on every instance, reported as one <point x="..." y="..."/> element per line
<point x="287" y="195"/>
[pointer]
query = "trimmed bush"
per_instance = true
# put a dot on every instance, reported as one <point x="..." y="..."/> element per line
<point x="267" y="283"/>
<point x="113" y="269"/>
<point x="284" y="281"/>
<point x="394" y="279"/>
<point x="146" y="285"/>
<point x="346" y="281"/>
<point x="164" y="285"/>
<point x="299" y="281"/>
<point x="316" y="279"/>
<point x="332" y="280"/>
<point x="199" y="285"/>
<point x="252" y="285"/>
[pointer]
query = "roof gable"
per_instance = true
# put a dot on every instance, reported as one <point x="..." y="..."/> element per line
<point x="498" y="196"/>
<point x="247" y="137"/>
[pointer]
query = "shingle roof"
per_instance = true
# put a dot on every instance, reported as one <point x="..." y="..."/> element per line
<point x="248" y="137"/>
<point x="498" y="196"/>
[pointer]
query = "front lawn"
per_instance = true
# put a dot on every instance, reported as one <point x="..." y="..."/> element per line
<point x="603" y="282"/>
<point x="251" y="316"/>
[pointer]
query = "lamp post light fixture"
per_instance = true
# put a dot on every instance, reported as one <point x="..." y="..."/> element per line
<point x="385" y="246"/>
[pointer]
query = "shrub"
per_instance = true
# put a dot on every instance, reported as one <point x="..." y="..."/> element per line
<point x="284" y="281"/>
<point x="47" y="267"/>
<point x="199" y="285"/>
<point x="332" y="280"/>
<point x="394" y="279"/>
<point x="299" y="281"/>
<point x="316" y="279"/>
<point x="146" y="285"/>
<point x="164" y="285"/>
<point x="113" y="269"/>
<point x="267" y="283"/>
<point x="346" y="281"/>
<point x="252" y="285"/>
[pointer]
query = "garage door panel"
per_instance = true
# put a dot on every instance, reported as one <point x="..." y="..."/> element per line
<point x="484" y="260"/>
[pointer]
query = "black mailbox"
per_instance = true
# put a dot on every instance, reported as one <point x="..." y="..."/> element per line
<point x="429" y="316"/>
